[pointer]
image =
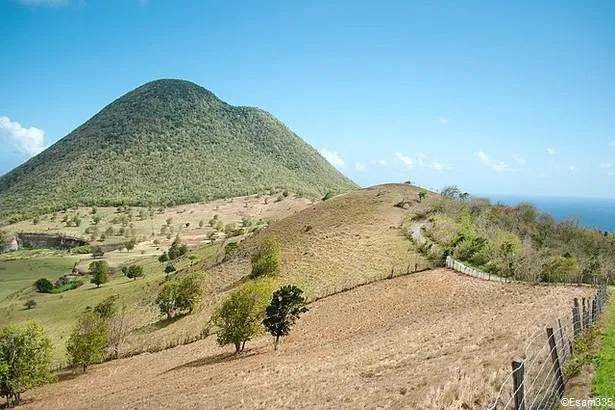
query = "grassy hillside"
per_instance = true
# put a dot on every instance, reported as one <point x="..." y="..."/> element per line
<point x="167" y="142"/>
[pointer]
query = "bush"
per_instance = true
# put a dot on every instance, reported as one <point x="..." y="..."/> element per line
<point x="88" y="342"/>
<point x="25" y="360"/>
<point x="177" y="249"/>
<point x="97" y="251"/>
<point x="43" y="285"/>
<point x="30" y="304"/>
<point x="266" y="260"/>
<point x="163" y="258"/>
<point x="170" y="268"/>
<point x="240" y="316"/>
<point x="180" y="295"/>
<point x="82" y="250"/>
<point x="134" y="272"/>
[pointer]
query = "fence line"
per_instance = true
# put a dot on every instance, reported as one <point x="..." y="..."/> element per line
<point x="466" y="270"/>
<point x="538" y="379"/>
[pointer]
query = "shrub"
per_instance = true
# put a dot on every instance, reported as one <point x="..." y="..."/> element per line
<point x="266" y="260"/>
<point x="241" y="314"/>
<point x="134" y="272"/>
<point x="287" y="304"/>
<point x="130" y="245"/>
<point x="169" y="268"/>
<point x="328" y="196"/>
<point x="177" y="249"/>
<point x="180" y="295"/>
<point x="30" y="304"/>
<point x="82" y="250"/>
<point x="107" y="308"/>
<point x="88" y="341"/>
<point x="25" y="360"/>
<point x="163" y="258"/>
<point x="97" y="251"/>
<point x="43" y="285"/>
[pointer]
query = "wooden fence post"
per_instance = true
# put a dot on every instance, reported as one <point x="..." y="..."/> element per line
<point x="576" y="317"/>
<point x="557" y="369"/>
<point x="518" y="384"/>
<point x="584" y="318"/>
<point x="561" y="337"/>
<point x="594" y="313"/>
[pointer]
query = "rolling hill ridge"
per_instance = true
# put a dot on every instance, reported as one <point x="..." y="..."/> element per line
<point x="167" y="142"/>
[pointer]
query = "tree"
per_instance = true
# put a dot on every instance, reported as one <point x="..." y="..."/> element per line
<point x="100" y="272"/>
<point x="30" y="304"/>
<point x="96" y="219"/>
<point x="266" y="260"/>
<point x="422" y="196"/>
<point x="119" y="324"/>
<point x="134" y="272"/>
<point x="43" y="285"/>
<point x="163" y="258"/>
<point x="167" y="297"/>
<point x="130" y="245"/>
<point x="177" y="249"/>
<point x="97" y="251"/>
<point x="170" y="268"/>
<point x="88" y="341"/>
<point x="328" y="196"/>
<point x="240" y="316"/>
<point x="25" y="360"/>
<point x="107" y="308"/>
<point x="451" y="191"/>
<point x="285" y="307"/>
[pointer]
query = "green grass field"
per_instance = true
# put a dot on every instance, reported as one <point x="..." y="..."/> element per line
<point x="19" y="274"/>
<point x="604" y="378"/>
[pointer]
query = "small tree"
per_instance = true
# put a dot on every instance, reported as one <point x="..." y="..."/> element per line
<point x="134" y="272"/>
<point x="177" y="249"/>
<point x="43" y="285"/>
<point x="240" y="316"/>
<point x="163" y="258"/>
<point x="25" y="360"/>
<point x="130" y="245"/>
<point x="100" y="272"/>
<point x="189" y="293"/>
<point x="96" y="219"/>
<point x="167" y="297"/>
<point x="170" y="268"/>
<point x="285" y="307"/>
<point x="88" y="341"/>
<point x="107" y="308"/>
<point x="422" y="196"/>
<point x="266" y="260"/>
<point x="30" y="304"/>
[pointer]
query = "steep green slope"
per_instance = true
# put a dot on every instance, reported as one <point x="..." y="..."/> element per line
<point x="167" y="142"/>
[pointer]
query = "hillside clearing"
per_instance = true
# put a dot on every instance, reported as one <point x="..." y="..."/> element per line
<point x="429" y="340"/>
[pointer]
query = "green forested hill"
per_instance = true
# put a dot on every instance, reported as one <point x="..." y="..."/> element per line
<point x="167" y="142"/>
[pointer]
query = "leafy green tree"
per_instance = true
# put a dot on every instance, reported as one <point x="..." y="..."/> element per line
<point x="107" y="307"/>
<point x="43" y="285"/>
<point x="266" y="260"/>
<point x="167" y="298"/>
<point x="88" y="341"/>
<point x="241" y="314"/>
<point x="189" y="293"/>
<point x="177" y="249"/>
<point x="25" y="360"/>
<point x="287" y="304"/>
<point x="134" y="272"/>
<point x="170" y="268"/>
<point x="30" y="304"/>
<point x="100" y="272"/>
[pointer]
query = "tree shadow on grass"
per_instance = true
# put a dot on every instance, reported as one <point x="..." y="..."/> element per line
<point x="210" y="360"/>
<point x="152" y="327"/>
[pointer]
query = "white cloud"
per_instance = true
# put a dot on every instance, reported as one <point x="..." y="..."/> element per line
<point x="520" y="161"/>
<point x="50" y="3"/>
<point x="572" y="168"/>
<point x="483" y="156"/>
<point x="551" y="151"/>
<point x="438" y="166"/>
<point x="382" y="163"/>
<point x="359" y="166"/>
<point x="443" y="120"/>
<point x="406" y="160"/>
<point x="30" y="141"/>
<point x="333" y="157"/>
<point x="497" y="166"/>
<point x="605" y="165"/>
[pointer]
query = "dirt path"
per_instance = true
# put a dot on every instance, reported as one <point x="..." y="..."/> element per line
<point x="432" y="340"/>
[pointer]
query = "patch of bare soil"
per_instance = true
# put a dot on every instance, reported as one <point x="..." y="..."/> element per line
<point x="431" y="340"/>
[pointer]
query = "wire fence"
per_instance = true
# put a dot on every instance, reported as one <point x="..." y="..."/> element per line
<point x="465" y="269"/>
<point x="538" y="378"/>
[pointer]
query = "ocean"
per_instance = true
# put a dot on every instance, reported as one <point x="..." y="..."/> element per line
<point x="596" y="213"/>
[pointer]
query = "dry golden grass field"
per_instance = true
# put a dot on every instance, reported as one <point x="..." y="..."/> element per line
<point x="430" y="340"/>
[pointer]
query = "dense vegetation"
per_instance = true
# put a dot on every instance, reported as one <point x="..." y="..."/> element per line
<point x="517" y="242"/>
<point x="166" y="142"/>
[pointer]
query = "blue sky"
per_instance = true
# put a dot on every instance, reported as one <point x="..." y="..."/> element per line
<point x="515" y="98"/>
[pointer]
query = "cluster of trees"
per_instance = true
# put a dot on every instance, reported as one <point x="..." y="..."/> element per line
<point x="518" y="242"/>
<point x="254" y="308"/>
<point x="180" y="295"/>
<point x="176" y="250"/>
